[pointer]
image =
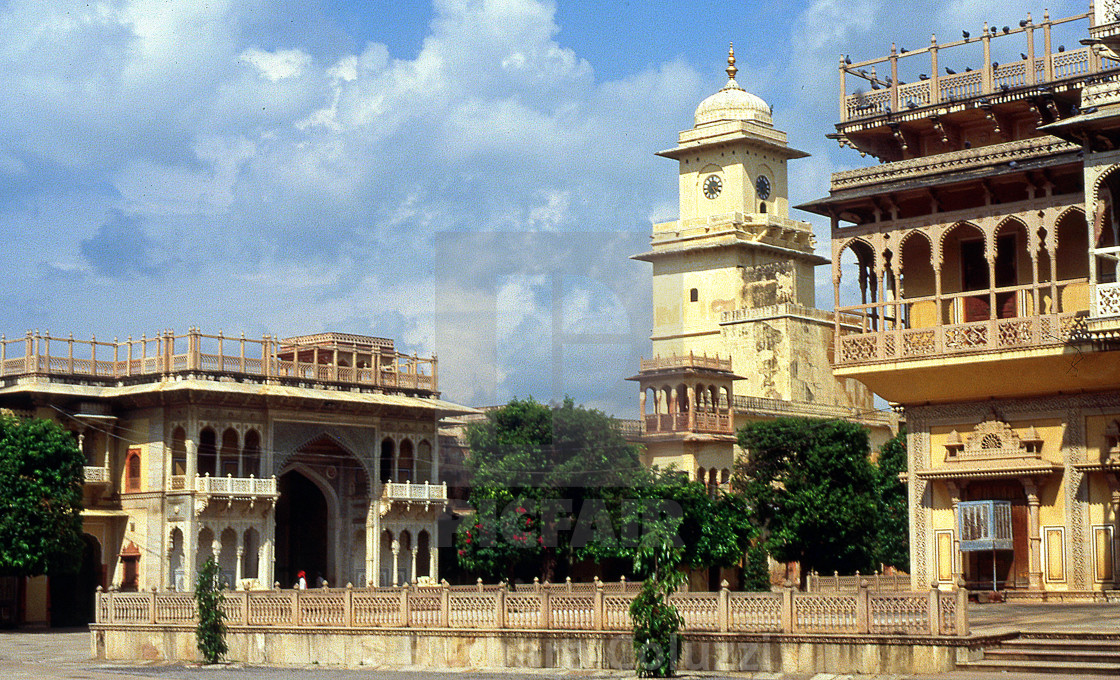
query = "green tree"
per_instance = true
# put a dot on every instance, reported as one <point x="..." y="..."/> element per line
<point x="534" y="468"/>
<point x="210" y="633"/>
<point x="812" y="487"/>
<point x="756" y="572"/>
<point x="892" y="544"/>
<point x="658" y="560"/>
<point x="41" y="472"/>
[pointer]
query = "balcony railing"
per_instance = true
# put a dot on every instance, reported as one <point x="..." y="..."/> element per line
<point x="761" y="405"/>
<point x="915" y="328"/>
<point x="196" y="353"/>
<point x="407" y="491"/>
<point x="95" y="475"/>
<point x="239" y="487"/>
<point x="703" y="421"/>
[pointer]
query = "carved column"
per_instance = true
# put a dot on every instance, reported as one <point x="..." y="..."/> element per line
<point x="239" y="571"/>
<point x="412" y="562"/>
<point x="373" y="545"/>
<point x="954" y="489"/>
<point x="1114" y="505"/>
<point x="1034" y="558"/>
<point x="691" y="404"/>
<point x="396" y="555"/>
<point x="433" y="558"/>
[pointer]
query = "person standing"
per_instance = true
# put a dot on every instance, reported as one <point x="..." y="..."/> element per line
<point x="301" y="584"/>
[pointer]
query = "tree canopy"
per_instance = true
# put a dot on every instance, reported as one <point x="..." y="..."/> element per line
<point x="892" y="546"/>
<point x="41" y="473"/>
<point x="555" y="485"/>
<point x="534" y="468"/>
<point x="811" y="485"/>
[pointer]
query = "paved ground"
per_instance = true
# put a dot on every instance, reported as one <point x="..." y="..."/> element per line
<point x="64" y="655"/>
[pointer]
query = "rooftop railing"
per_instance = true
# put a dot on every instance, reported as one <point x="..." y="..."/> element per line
<point x="194" y="352"/>
<point x="889" y="95"/>
<point x="690" y="360"/>
<point x="920" y="613"/>
<point x="757" y="405"/>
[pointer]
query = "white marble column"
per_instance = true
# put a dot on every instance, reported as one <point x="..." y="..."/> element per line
<point x="396" y="555"/>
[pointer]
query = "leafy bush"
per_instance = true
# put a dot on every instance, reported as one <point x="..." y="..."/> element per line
<point x="756" y="574"/>
<point x="211" y="631"/>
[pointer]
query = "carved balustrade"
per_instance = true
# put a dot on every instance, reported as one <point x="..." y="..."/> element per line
<point x="407" y="491"/>
<point x="237" y="487"/>
<point x="553" y="608"/>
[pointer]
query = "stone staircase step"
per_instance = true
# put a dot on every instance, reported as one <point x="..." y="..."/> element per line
<point x="1066" y="668"/>
<point x="1035" y="653"/>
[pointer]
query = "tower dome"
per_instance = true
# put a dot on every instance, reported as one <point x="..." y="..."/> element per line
<point x="732" y="102"/>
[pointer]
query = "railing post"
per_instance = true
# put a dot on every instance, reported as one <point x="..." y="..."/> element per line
<point x="445" y="605"/>
<point x="404" y="607"/>
<point x="245" y="607"/>
<point x="962" y="609"/>
<point x="295" y="607"/>
<point x="348" y="607"/>
<point x="986" y="72"/>
<point x="724" y="607"/>
<point x="597" y="614"/>
<point x="863" y="606"/>
<point x="789" y="617"/>
<point x="152" y="607"/>
<point x="546" y="607"/>
<point x="500" y="606"/>
<point x="934" y="609"/>
<point x="478" y="585"/>
<point x="112" y="613"/>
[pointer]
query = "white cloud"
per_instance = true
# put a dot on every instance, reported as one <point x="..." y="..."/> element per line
<point x="278" y="65"/>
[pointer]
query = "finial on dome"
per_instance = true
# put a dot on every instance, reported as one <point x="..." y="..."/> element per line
<point x="731" y="70"/>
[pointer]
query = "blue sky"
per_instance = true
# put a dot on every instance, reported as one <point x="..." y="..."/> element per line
<point x="464" y="176"/>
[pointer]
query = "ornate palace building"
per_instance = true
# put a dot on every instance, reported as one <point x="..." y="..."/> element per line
<point x="975" y="283"/>
<point x="316" y="453"/>
<point x="736" y="335"/>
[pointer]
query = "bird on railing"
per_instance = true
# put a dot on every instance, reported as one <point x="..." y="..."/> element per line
<point x="923" y="76"/>
<point x="874" y="84"/>
<point x="995" y="65"/>
<point x="968" y="69"/>
<point x="1006" y="29"/>
<point x="1061" y="48"/>
<point x="1023" y="55"/>
<point x="847" y="60"/>
<point x="911" y="105"/>
<point x="1005" y="87"/>
<point x="965" y="34"/>
<point x="950" y="71"/>
<point x="1022" y="23"/>
<point x="994" y="30"/>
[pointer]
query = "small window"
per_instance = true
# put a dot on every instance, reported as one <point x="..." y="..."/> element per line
<point x="693" y="295"/>
<point x="132" y="471"/>
<point x="762" y="207"/>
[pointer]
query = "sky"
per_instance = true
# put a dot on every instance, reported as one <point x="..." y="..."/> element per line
<point x="467" y="177"/>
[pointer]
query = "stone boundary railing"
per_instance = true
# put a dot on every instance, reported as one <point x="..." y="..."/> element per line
<point x="923" y="613"/>
<point x="894" y="582"/>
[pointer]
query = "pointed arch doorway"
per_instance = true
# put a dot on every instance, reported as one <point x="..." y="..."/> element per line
<point x="301" y="529"/>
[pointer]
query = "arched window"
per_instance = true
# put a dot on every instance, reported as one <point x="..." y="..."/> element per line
<point x="387" y="472"/>
<point x="251" y="455"/>
<point x="230" y="454"/>
<point x="405" y="462"/>
<point x="179" y="452"/>
<point x="425" y="466"/>
<point x="132" y="470"/>
<point x="207" y="452"/>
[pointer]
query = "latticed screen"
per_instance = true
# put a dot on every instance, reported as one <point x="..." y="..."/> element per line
<point x="985" y="525"/>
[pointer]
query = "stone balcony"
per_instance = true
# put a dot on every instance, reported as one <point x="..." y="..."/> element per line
<point x="424" y="492"/>
<point x="96" y="475"/>
<point x="719" y="422"/>
<point x="228" y="486"/>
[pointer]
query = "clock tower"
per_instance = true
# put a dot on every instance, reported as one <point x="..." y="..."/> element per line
<point x="736" y="335"/>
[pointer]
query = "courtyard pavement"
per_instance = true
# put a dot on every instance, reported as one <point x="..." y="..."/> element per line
<point x="65" y="655"/>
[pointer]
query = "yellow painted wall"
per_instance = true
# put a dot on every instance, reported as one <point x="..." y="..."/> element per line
<point x="36" y="597"/>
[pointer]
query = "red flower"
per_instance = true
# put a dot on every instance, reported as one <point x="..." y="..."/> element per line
<point x="462" y="552"/>
<point x="520" y="509"/>
<point x="540" y="540"/>
<point x="468" y="539"/>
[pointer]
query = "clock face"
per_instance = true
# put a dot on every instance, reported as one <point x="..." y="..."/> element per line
<point x="763" y="187"/>
<point x="712" y="186"/>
